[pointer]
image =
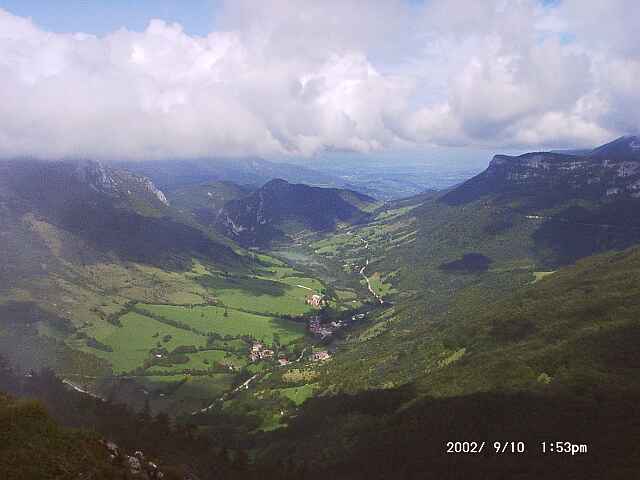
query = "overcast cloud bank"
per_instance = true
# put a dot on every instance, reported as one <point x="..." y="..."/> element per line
<point x="298" y="78"/>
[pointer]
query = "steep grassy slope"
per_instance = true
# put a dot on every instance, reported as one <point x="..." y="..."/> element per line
<point x="556" y="360"/>
<point x="33" y="446"/>
<point x="376" y="435"/>
<point x="577" y="328"/>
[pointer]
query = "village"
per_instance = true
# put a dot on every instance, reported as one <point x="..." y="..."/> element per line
<point x="260" y="352"/>
<point x="321" y="331"/>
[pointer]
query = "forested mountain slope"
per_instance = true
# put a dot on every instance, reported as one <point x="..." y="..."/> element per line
<point x="205" y="201"/>
<point x="280" y="208"/>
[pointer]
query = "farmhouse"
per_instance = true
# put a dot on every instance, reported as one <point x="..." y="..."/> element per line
<point x="320" y="356"/>
<point x="315" y="300"/>
<point x="258" y="352"/>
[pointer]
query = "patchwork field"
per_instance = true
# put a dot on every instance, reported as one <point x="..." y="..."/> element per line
<point x="147" y="338"/>
<point x="131" y="343"/>
<point x="182" y="334"/>
<point x="124" y="313"/>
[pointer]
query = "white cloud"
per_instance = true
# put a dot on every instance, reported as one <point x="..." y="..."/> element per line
<point x="297" y="78"/>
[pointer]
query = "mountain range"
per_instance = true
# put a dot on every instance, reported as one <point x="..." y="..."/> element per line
<point x="505" y="308"/>
<point x="379" y="180"/>
<point x="88" y="209"/>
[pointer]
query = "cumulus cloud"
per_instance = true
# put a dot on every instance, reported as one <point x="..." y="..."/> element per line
<point x="297" y="78"/>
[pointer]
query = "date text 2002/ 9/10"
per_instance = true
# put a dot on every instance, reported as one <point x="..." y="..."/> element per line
<point x="478" y="447"/>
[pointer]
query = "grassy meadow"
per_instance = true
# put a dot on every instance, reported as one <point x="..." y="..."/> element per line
<point x="227" y="321"/>
<point x="138" y="334"/>
<point x="257" y="294"/>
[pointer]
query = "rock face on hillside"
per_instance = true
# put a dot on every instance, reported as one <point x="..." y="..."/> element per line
<point x="137" y="465"/>
<point x="609" y="171"/>
<point x="117" y="183"/>
<point x="280" y="208"/>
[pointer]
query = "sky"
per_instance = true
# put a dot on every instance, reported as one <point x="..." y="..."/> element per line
<point x="145" y="80"/>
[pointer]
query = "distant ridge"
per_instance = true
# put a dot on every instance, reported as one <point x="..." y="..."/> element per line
<point x="172" y="174"/>
<point x="611" y="170"/>
<point x="279" y="208"/>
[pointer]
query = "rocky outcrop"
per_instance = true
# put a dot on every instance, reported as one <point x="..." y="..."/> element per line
<point x="137" y="465"/>
<point x="116" y="182"/>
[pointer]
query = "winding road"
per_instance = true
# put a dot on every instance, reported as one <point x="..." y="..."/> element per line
<point x="77" y="388"/>
<point x="366" y="279"/>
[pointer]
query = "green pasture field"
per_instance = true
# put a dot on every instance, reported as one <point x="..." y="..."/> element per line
<point x="132" y="341"/>
<point x="257" y="294"/>
<point x="298" y="395"/>
<point x="269" y="260"/>
<point x="197" y="361"/>
<point x="308" y="282"/>
<point x="289" y="276"/>
<point x="236" y="323"/>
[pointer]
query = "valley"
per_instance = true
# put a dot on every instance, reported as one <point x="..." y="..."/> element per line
<point x="183" y="354"/>
<point x="270" y="323"/>
<point x="311" y="240"/>
<point x="172" y="334"/>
